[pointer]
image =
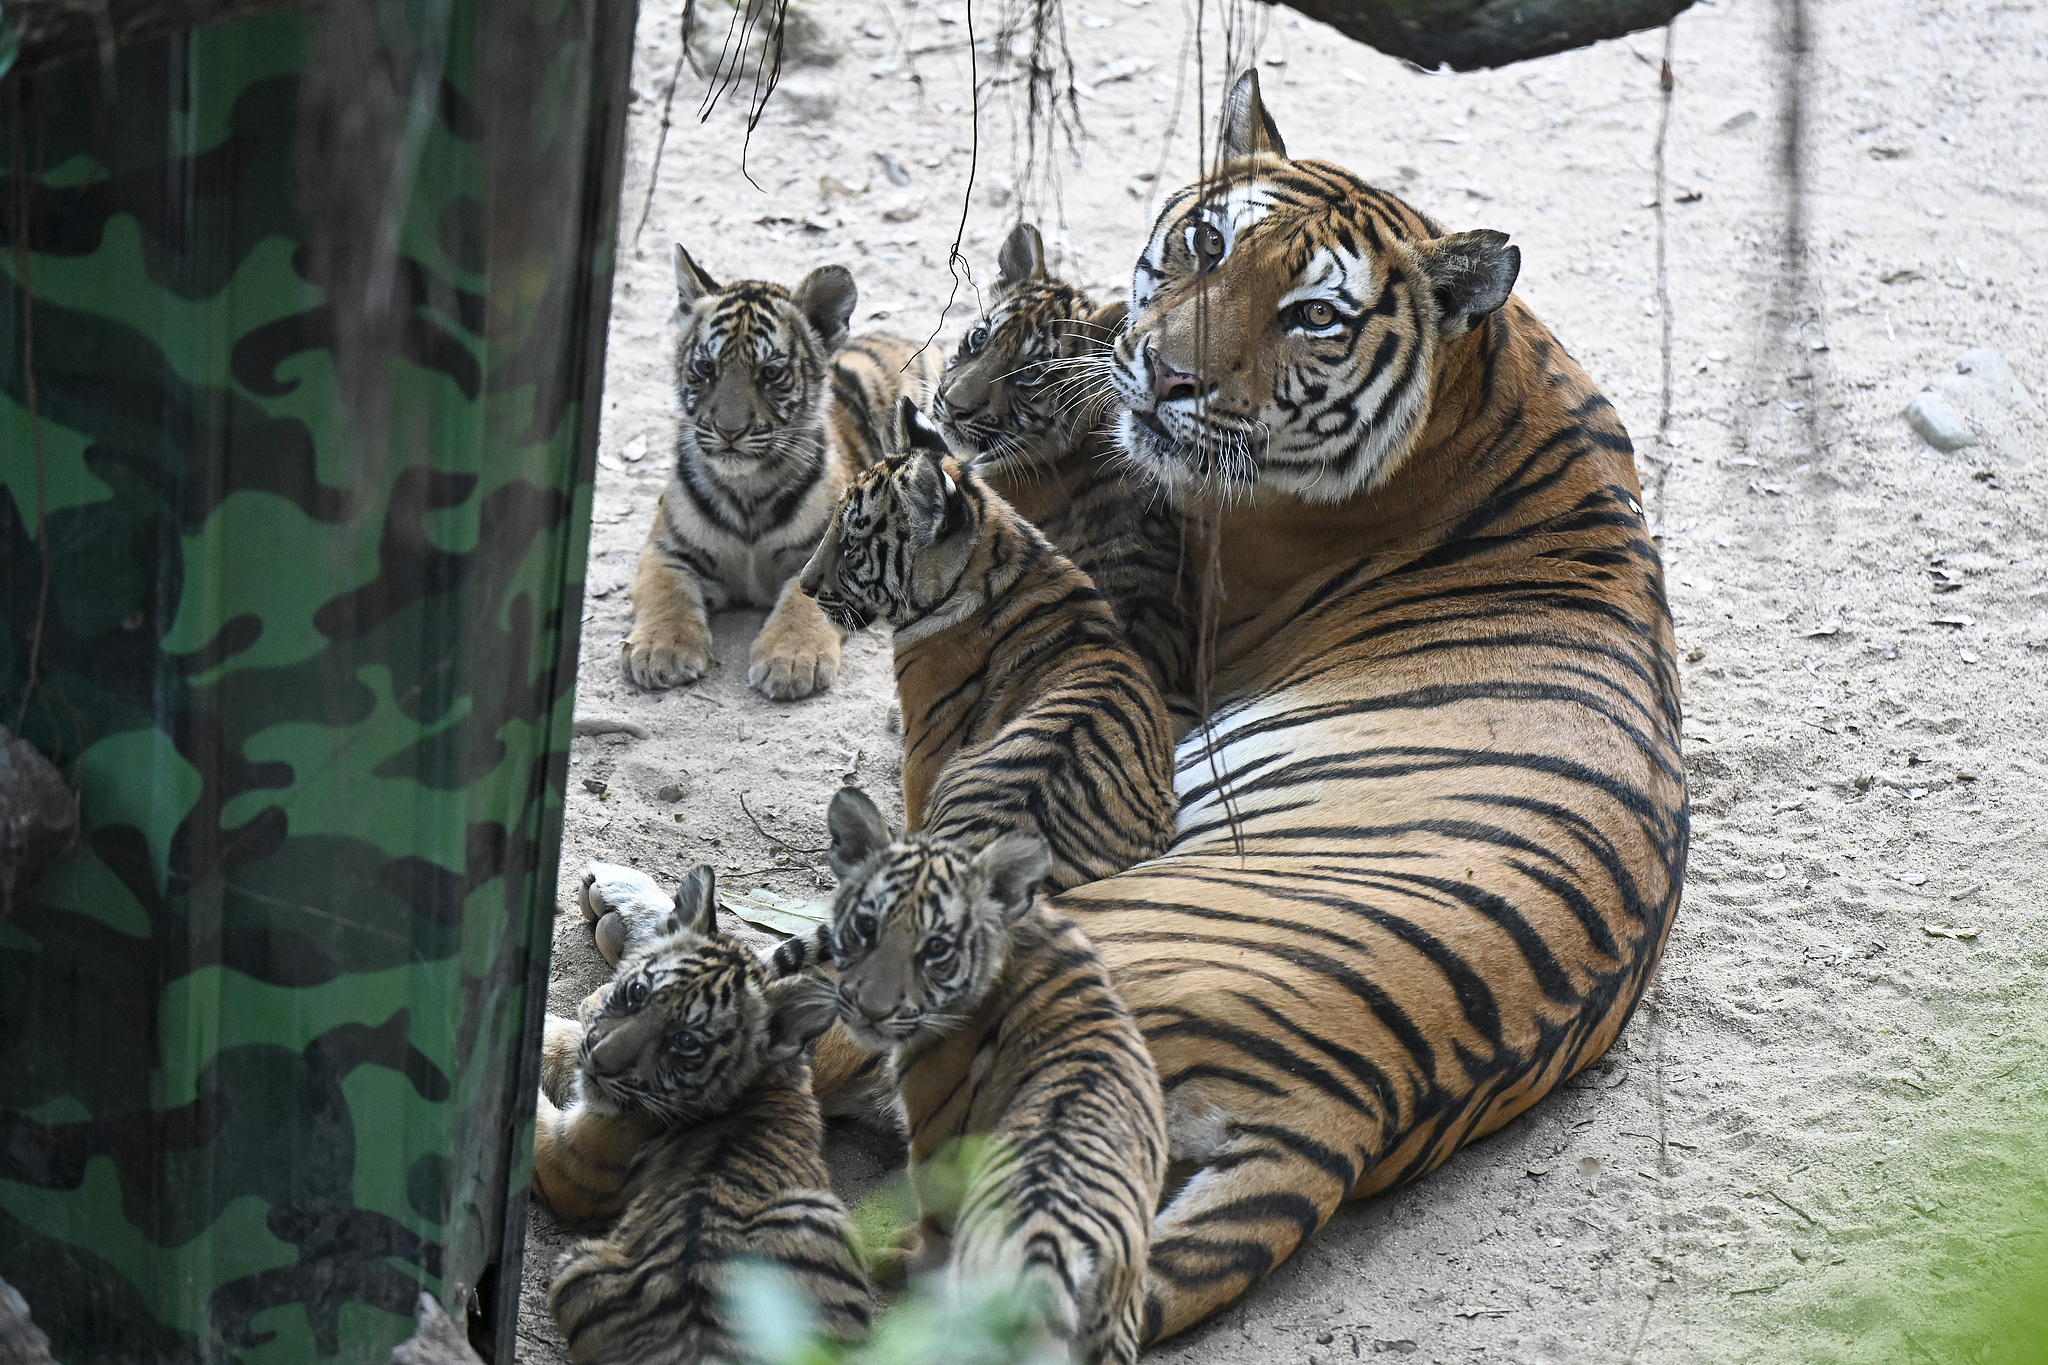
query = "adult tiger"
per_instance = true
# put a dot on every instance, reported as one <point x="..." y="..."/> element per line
<point x="1432" y="840"/>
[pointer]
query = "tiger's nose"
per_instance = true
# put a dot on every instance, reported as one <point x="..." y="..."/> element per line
<point x="1167" y="382"/>
<point x="729" y="435"/>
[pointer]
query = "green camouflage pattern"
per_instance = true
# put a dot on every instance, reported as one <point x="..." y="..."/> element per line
<point x="269" y="1034"/>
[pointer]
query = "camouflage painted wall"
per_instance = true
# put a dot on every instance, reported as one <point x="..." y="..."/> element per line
<point x="268" y="1035"/>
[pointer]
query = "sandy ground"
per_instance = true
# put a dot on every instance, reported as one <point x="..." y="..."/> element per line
<point x="1821" y="1136"/>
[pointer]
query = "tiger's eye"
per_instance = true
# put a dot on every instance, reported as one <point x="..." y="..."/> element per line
<point x="1209" y="242"/>
<point x="701" y="368"/>
<point x="636" y="994"/>
<point x="1316" y="313"/>
<point x="977" y="339"/>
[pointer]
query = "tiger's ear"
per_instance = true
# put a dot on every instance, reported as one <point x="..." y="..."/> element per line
<point x="1248" y="130"/>
<point x="1022" y="257"/>
<point x="1471" y="274"/>
<point x="1014" y="865"/>
<point x="1099" y="329"/>
<point x="799" y="1009"/>
<point x="827" y="297"/>
<point x="915" y="430"/>
<point x="858" y="831"/>
<point x="691" y="281"/>
<point x="933" y="493"/>
<point x="697" y="902"/>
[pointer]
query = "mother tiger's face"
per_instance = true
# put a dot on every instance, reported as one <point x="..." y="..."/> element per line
<point x="1288" y="322"/>
<point x="921" y="926"/>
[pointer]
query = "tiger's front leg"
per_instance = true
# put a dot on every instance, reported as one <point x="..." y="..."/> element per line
<point x="581" y="1157"/>
<point x="797" y="651"/>
<point x="671" y="640"/>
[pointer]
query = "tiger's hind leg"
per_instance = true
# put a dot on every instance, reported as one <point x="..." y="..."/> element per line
<point x="1239" y="1217"/>
<point x="797" y="651"/>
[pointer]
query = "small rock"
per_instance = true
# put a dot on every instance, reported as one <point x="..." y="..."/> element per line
<point x="893" y="168"/>
<point x="1776" y="872"/>
<point x="1988" y="369"/>
<point x="1940" y="425"/>
<point x="1739" y="122"/>
<point x="672" y="792"/>
<point x="903" y="212"/>
<point x="596" y="786"/>
<point x="830" y="186"/>
<point x="585" y="726"/>
<point x="806" y="41"/>
<point x="812" y="100"/>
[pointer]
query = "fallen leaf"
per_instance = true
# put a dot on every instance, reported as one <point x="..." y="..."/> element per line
<point x="1952" y="621"/>
<point x="1831" y="628"/>
<point x="1121" y="69"/>
<point x="764" y="909"/>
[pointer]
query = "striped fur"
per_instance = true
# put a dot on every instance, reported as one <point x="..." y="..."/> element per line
<point x="685" y="1113"/>
<point x="1433" y="840"/>
<point x="777" y="411"/>
<point x="1021" y="404"/>
<point x="1024" y="707"/>
<point x="1037" y="1134"/>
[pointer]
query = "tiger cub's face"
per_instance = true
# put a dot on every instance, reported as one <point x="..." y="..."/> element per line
<point x="753" y="366"/>
<point x="1022" y="384"/>
<point x="901" y="535"/>
<point x="921" y="926"/>
<point x="691" y="1020"/>
<point x="1288" y="321"/>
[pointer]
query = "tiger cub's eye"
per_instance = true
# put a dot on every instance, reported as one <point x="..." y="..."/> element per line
<point x="635" y="994"/>
<point x="977" y="339"/>
<point x="701" y="368"/>
<point x="1209" y="244"/>
<point x="1316" y="313"/>
<point x="935" y="951"/>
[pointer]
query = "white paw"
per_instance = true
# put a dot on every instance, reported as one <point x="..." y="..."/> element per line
<point x="628" y="906"/>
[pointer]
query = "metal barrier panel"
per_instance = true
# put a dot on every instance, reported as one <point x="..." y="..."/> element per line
<point x="269" y="1033"/>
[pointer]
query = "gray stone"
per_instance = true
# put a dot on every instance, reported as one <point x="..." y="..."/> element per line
<point x="1987" y="370"/>
<point x="810" y="98"/>
<point x="1939" y="424"/>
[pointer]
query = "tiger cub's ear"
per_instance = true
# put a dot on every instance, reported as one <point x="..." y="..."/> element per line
<point x="799" y="1009"/>
<point x="928" y="486"/>
<point x="1013" y="866"/>
<point x="1022" y="257"/>
<point x="914" y="430"/>
<point x="827" y="297"/>
<point x="858" y="831"/>
<point x="697" y="902"/>
<point x="1100" y="328"/>
<point x="1471" y="274"/>
<point x="1248" y="129"/>
<point x="691" y="281"/>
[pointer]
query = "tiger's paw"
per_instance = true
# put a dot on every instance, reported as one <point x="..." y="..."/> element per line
<point x="653" y="663"/>
<point x="788" y="665"/>
<point x="626" y="905"/>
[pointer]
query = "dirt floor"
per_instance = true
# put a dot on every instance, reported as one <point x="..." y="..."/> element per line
<point x="1820" y="1137"/>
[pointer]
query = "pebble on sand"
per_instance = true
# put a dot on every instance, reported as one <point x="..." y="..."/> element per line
<point x="1940" y="425"/>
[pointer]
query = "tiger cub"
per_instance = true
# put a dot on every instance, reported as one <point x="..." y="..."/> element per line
<point x="679" y="1103"/>
<point x="1021" y="403"/>
<point x="777" y="411"/>
<point x="1024" y="707"/>
<point x="1037" y="1128"/>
